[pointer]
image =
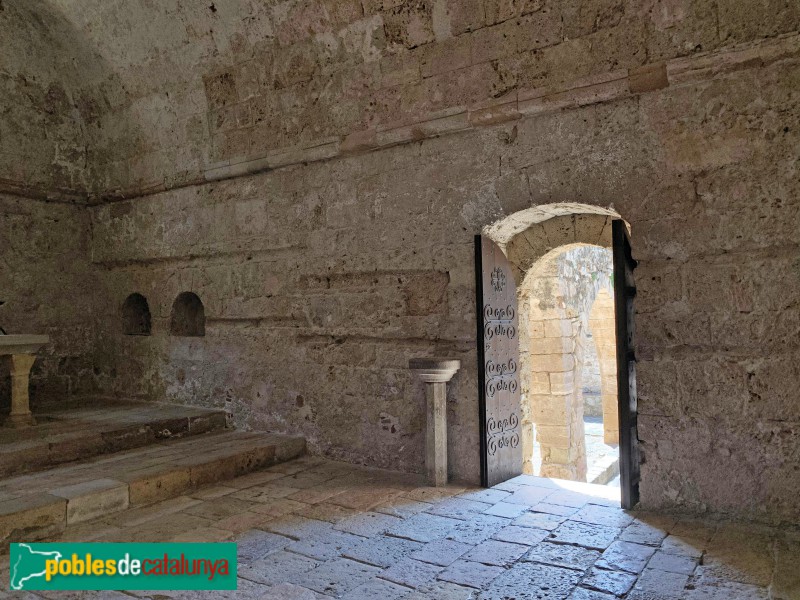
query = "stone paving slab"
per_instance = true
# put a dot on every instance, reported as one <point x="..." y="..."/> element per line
<point x="336" y="577"/>
<point x="594" y="551"/>
<point x="533" y="581"/>
<point x="470" y="574"/>
<point x="383" y="551"/>
<point x="412" y="573"/>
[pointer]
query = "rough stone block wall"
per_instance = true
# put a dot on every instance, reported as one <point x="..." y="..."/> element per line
<point x="183" y="92"/>
<point x="47" y="120"/>
<point x="389" y="133"/>
<point x="584" y="271"/>
<point x="592" y="402"/>
<point x="310" y="274"/>
<point x="48" y="285"/>
<point x="603" y="324"/>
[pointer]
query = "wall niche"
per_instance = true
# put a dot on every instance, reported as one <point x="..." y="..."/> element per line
<point x="188" y="317"/>
<point x="136" y="315"/>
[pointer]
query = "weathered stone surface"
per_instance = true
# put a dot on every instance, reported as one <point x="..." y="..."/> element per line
<point x="528" y="496"/>
<point x="478" y="529"/>
<point x="309" y="553"/>
<point x="289" y="591"/>
<point x="532" y="579"/>
<point x="643" y="532"/>
<point x="683" y="118"/>
<point x="613" y="582"/>
<point x="377" y="589"/>
<point x="521" y="535"/>
<point x="93" y="499"/>
<point x="655" y="584"/>
<point x="256" y="544"/>
<point x="495" y="552"/>
<point x="458" y="508"/>
<point x="336" y="577"/>
<point x="424" y="528"/>
<point x="412" y="573"/>
<point x="383" y="551"/>
<point x="442" y="552"/>
<point x="325" y="546"/>
<point x="672" y="563"/>
<point x="470" y="574"/>
<point x="278" y="567"/>
<point x="561" y="555"/>
<point x="506" y="510"/>
<point x="625" y="556"/>
<point x="597" y="537"/>
<point x="368" y="524"/>
<point x="442" y="590"/>
<point x="32" y="517"/>
<point x="584" y="594"/>
<point x="539" y="520"/>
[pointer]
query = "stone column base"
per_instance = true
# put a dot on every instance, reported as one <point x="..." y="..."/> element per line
<point x="18" y="421"/>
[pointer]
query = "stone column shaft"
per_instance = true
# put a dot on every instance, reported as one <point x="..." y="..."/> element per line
<point x="436" y="439"/>
<point x="20" y="367"/>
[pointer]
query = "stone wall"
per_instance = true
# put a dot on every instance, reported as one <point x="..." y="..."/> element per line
<point x="592" y="402"/>
<point x="48" y="122"/>
<point x="49" y="287"/>
<point x="189" y="91"/>
<point x="390" y="133"/>
<point x="586" y="270"/>
<point x="320" y="281"/>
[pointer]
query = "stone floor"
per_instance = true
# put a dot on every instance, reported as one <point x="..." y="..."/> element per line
<point x="313" y="529"/>
<point x="602" y="460"/>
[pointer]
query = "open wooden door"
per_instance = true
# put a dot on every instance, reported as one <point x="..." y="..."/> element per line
<point x="624" y="293"/>
<point x="498" y="364"/>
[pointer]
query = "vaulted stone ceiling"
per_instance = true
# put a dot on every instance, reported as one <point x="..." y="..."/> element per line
<point x="44" y="112"/>
<point x="91" y="85"/>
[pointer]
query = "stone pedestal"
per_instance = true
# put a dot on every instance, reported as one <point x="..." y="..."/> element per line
<point x="20" y="367"/>
<point x="435" y="372"/>
<point x="19" y="352"/>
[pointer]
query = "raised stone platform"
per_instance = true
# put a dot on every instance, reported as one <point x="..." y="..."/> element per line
<point x="76" y="433"/>
<point x="42" y="504"/>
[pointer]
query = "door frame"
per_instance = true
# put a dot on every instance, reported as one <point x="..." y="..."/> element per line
<point x="629" y="486"/>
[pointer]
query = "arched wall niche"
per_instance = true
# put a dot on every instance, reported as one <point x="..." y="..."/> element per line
<point x="550" y="331"/>
<point x="188" y="317"/>
<point x="136" y="319"/>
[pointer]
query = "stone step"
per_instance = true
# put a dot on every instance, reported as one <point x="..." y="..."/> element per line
<point x="41" y="504"/>
<point x="82" y="432"/>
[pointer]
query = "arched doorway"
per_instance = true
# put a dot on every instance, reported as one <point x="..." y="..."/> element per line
<point x="563" y="299"/>
<point x="538" y="396"/>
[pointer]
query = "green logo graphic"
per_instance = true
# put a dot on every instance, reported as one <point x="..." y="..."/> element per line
<point x="28" y="564"/>
<point x="100" y="566"/>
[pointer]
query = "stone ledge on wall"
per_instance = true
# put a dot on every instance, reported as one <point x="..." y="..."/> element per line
<point x="67" y="196"/>
<point x="517" y="104"/>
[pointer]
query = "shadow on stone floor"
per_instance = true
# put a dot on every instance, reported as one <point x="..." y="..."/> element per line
<point x="314" y="529"/>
